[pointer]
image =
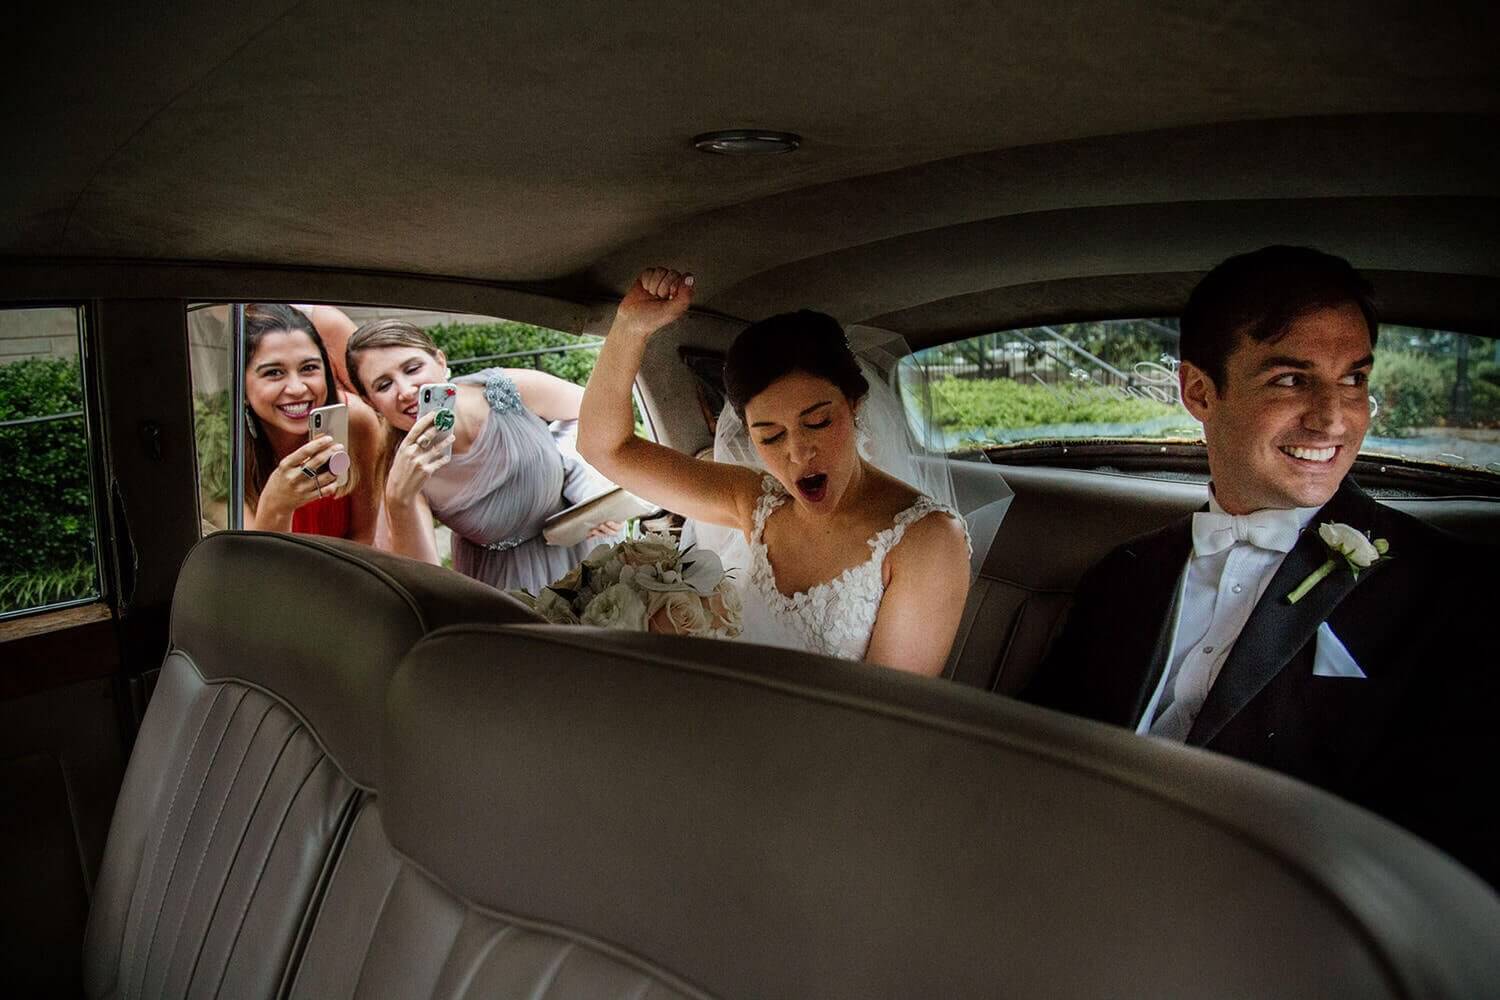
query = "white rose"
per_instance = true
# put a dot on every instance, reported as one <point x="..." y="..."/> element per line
<point x="555" y="608"/>
<point x="617" y="607"/>
<point x="1349" y="543"/>
<point x="652" y="549"/>
<point x="679" y="613"/>
<point x="727" y="609"/>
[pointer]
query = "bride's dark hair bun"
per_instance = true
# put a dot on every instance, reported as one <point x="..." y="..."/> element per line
<point x="801" y="341"/>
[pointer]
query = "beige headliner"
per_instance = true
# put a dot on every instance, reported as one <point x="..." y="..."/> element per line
<point x="959" y="159"/>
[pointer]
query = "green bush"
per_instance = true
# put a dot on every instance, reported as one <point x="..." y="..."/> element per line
<point x="1413" y="390"/>
<point x="46" y="517"/>
<point x="211" y="429"/>
<point x="459" y="341"/>
<point x="979" y="404"/>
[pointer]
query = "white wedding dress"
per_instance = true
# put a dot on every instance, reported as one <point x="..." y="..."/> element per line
<point x="836" y="617"/>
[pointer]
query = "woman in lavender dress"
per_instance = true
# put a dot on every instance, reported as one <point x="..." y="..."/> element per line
<point x="494" y="480"/>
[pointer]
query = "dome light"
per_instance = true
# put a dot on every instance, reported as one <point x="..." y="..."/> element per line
<point x="746" y="142"/>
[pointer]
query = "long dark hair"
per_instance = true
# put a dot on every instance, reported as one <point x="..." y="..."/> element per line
<point x="1262" y="293"/>
<point x="262" y="319"/>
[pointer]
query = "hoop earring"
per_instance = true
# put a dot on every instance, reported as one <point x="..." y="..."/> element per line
<point x="250" y="423"/>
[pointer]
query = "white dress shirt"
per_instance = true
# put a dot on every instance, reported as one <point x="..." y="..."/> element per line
<point x="1215" y="596"/>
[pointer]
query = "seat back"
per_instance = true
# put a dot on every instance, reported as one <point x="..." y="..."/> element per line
<point x="1059" y="524"/>
<point x="259" y="746"/>
<point x="716" y="819"/>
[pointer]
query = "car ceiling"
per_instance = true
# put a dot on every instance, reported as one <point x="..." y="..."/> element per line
<point x="964" y="164"/>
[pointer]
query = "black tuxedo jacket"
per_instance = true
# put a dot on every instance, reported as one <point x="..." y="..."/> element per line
<point x="1414" y="740"/>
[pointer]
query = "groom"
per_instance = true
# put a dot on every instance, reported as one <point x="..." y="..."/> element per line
<point x="1380" y="688"/>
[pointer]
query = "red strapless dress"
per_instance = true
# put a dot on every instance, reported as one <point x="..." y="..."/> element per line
<point x="329" y="516"/>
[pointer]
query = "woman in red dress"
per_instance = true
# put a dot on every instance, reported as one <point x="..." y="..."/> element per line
<point x="290" y="482"/>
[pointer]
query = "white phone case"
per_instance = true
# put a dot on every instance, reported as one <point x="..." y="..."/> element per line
<point x="333" y="421"/>
<point x="442" y="397"/>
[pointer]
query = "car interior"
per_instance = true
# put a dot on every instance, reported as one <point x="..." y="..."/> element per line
<point x="256" y="764"/>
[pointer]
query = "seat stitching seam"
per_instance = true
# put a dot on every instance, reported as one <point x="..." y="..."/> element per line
<point x="167" y="822"/>
<point x="1009" y="643"/>
<point x="489" y="946"/>
<point x="208" y="846"/>
<point x="370" y="941"/>
<point x="549" y="977"/>
<point x="143" y="878"/>
<point x="233" y="858"/>
<point x="286" y="706"/>
<point x="332" y="861"/>
<point x="270" y="850"/>
<point x="610" y="949"/>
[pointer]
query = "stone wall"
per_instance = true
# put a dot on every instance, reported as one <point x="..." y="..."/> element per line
<point x="38" y="333"/>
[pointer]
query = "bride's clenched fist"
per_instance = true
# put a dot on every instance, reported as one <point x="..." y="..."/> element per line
<point x="656" y="298"/>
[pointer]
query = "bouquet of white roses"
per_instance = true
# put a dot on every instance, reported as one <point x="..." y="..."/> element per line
<point x="645" y="585"/>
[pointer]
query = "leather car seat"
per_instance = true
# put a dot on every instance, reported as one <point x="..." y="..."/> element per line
<point x="259" y="748"/>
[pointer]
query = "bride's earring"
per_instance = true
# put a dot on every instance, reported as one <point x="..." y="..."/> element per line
<point x="447" y="374"/>
<point x="250" y="424"/>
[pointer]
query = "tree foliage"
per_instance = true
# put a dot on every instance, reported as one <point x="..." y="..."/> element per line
<point x="483" y="340"/>
<point x="46" y="522"/>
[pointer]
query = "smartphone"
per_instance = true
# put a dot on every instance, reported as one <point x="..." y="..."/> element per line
<point x="333" y="421"/>
<point x="442" y="398"/>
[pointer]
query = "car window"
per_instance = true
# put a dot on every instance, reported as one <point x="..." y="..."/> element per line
<point x="1435" y="394"/>
<point x="471" y="343"/>
<point x="47" y="529"/>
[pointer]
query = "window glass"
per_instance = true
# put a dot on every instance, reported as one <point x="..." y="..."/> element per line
<point x="1437" y="398"/>
<point x="47" y="542"/>
<point x="1107" y="379"/>
<point x="1435" y="395"/>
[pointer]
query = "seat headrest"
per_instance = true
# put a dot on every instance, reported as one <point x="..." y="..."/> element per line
<point x="769" y="823"/>
<point x="320" y="623"/>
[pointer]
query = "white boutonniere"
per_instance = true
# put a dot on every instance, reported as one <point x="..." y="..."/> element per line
<point x="1355" y="548"/>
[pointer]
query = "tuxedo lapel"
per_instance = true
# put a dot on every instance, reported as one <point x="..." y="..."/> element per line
<point x="1277" y="629"/>
<point x="1148" y="609"/>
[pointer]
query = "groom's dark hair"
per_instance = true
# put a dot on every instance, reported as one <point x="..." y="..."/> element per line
<point x="1263" y="293"/>
<point x="802" y="341"/>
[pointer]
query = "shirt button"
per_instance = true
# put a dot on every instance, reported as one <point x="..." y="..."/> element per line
<point x="1208" y="649"/>
<point x="1238" y="588"/>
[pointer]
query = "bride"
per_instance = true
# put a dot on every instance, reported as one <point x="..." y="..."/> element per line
<point x="845" y="559"/>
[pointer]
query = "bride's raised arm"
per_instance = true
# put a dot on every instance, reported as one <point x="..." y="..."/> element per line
<point x="707" y="491"/>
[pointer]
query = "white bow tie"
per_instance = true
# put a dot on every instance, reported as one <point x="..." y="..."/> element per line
<point x="1275" y="530"/>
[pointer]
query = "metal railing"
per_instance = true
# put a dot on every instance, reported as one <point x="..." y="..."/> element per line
<point x="20" y="421"/>
<point x="534" y="352"/>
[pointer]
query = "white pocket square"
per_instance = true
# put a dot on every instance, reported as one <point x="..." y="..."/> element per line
<point x="1332" y="659"/>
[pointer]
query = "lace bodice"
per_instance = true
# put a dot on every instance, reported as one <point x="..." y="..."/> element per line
<point x="836" y="617"/>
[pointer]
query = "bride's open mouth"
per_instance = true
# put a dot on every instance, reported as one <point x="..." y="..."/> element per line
<point x="814" y="487"/>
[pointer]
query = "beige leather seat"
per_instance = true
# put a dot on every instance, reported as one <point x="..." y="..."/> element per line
<point x="258" y="749"/>
<point x="574" y="813"/>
